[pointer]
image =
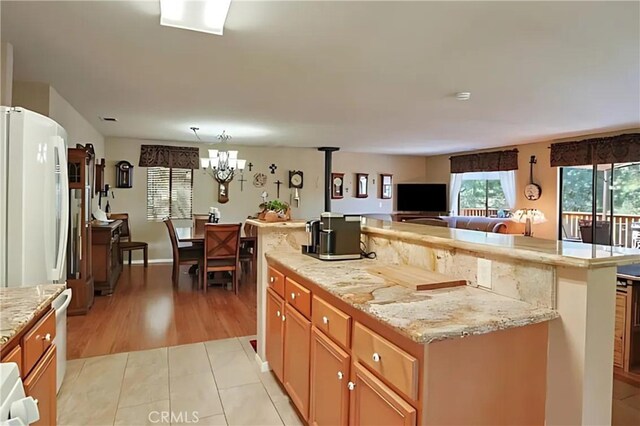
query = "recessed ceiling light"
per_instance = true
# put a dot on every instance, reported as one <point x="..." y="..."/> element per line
<point x="463" y="96"/>
<point x="112" y="119"/>
<point x="206" y="16"/>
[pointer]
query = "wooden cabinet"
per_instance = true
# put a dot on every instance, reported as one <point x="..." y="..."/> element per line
<point x="374" y="403"/>
<point x="330" y="365"/>
<point x="32" y="348"/>
<point x="626" y="344"/>
<point x="107" y="258"/>
<point x="297" y="336"/>
<point x="79" y="267"/>
<point x="276" y="281"/>
<point x="41" y="385"/>
<point x="275" y="333"/>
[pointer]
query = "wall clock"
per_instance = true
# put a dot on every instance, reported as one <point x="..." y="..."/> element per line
<point x="259" y="180"/>
<point x="296" y="179"/>
<point x="532" y="191"/>
<point x="124" y="174"/>
<point x="337" y="185"/>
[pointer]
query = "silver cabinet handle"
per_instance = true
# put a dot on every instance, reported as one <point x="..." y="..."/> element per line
<point x="272" y="279"/>
<point x="325" y="320"/>
<point x="47" y="337"/>
<point x="351" y="386"/>
<point x="376" y="357"/>
<point x="293" y="296"/>
<point x="340" y="375"/>
<point x="283" y="318"/>
<point x="277" y="313"/>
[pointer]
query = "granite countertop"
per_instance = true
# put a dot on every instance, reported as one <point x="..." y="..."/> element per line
<point x="19" y="305"/>
<point x="535" y="250"/>
<point x="289" y="224"/>
<point x="423" y="316"/>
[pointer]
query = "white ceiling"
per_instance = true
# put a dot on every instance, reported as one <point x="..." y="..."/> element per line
<point x="377" y="77"/>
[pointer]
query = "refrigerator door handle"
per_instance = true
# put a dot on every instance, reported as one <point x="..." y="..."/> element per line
<point x="59" y="146"/>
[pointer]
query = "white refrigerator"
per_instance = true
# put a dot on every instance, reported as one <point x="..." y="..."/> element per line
<point x="34" y="210"/>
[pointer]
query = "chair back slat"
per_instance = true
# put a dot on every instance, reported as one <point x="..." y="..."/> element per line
<point x="125" y="230"/>
<point x="173" y="238"/>
<point x="221" y="241"/>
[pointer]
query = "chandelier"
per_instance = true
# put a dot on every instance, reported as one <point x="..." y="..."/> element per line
<point x="222" y="164"/>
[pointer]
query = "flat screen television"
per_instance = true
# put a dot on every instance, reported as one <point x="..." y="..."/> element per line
<point x="422" y="197"/>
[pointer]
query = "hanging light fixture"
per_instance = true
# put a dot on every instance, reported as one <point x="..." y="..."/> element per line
<point x="222" y="164"/>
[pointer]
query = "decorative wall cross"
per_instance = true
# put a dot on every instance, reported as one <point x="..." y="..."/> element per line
<point x="242" y="180"/>
<point x="273" y="168"/>
<point x="250" y="165"/>
<point x="278" y="183"/>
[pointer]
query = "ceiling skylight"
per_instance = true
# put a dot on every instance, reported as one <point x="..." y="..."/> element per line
<point x="206" y="16"/>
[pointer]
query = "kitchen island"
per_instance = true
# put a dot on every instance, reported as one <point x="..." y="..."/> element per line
<point x="348" y="343"/>
<point x="575" y="280"/>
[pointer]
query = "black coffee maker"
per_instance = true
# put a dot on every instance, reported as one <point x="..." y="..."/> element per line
<point x="335" y="236"/>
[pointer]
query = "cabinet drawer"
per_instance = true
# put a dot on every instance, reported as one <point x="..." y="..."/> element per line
<point x="298" y="296"/>
<point x="276" y="281"/>
<point x="332" y="321"/>
<point x="389" y="361"/>
<point x="38" y="340"/>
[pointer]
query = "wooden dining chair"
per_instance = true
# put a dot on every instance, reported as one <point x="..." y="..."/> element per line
<point x="248" y="253"/>
<point x="125" y="238"/>
<point x="221" y="252"/>
<point x="182" y="253"/>
<point x="198" y="222"/>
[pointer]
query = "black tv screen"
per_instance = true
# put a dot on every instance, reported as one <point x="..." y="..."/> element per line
<point x="422" y="197"/>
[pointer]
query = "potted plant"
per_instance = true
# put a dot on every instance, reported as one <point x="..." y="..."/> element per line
<point x="275" y="211"/>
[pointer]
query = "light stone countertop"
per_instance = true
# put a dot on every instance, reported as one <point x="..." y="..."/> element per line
<point x="19" y="305"/>
<point x="289" y="224"/>
<point x="534" y="250"/>
<point x="423" y="316"/>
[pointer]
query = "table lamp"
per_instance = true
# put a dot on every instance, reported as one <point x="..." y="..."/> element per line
<point x="528" y="217"/>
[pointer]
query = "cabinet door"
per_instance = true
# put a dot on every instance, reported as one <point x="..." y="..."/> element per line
<point x="274" y="334"/>
<point x="620" y="329"/>
<point x="41" y="385"/>
<point x="374" y="403"/>
<point x="329" y="377"/>
<point x="297" y="335"/>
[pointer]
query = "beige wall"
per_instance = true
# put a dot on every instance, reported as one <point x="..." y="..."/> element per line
<point x="6" y="73"/>
<point x="32" y="95"/>
<point x="245" y="203"/>
<point x="437" y="170"/>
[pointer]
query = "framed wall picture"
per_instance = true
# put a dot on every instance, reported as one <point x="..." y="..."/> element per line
<point x="362" y="185"/>
<point x="386" y="186"/>
<point x="337" y="185"/>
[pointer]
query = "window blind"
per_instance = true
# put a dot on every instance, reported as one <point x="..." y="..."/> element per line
<point x="169" y="193"/>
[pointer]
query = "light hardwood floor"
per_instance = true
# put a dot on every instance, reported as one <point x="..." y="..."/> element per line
<point x="147" y="312"/>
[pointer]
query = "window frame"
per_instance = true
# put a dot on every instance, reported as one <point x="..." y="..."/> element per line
<point x="157" y="218"/>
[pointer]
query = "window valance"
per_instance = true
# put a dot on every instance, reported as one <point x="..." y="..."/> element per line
<point x="496" y="161"/>
<point x="613" y="149"/>
<point x="177" y="157"/>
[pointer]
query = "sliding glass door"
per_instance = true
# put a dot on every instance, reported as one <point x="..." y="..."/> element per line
<point x="608" y="192"/>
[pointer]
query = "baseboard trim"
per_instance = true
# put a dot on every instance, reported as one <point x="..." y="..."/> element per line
<point x="263" y="365"/>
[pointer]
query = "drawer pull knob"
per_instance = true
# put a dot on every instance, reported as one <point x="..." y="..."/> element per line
<point x="351" y="386"/>
<point x="283" y="318"/>
<point x="325" y="320"/>
<point x="47" y="337"/>
<point x="340" y="375"/>
<point x="376" y="357"/>
<point x="293" y="296"/>
<point x="277" y="313"/>
<point x="272" y="279"/>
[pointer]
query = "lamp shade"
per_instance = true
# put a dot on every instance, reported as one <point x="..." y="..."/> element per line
<point x="534" y="215"/>
<point x="241" y="164"/>
<point x="213" y="153"/>
<point x="204" y="163"/>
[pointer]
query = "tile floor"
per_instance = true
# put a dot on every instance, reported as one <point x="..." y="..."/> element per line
<point x="217" y="381"/>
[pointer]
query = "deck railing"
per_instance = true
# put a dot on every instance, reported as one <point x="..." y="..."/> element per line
<point x="623" y="233"/>
<point x="478" y="212"/>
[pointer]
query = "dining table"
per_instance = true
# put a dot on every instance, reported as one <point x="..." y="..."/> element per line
<point x="190" y="234"/>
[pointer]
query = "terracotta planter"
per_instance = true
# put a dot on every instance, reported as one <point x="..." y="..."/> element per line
<point x="272" y="216"/>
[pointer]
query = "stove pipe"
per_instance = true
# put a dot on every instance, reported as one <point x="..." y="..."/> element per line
<point x="328" y="152"/>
